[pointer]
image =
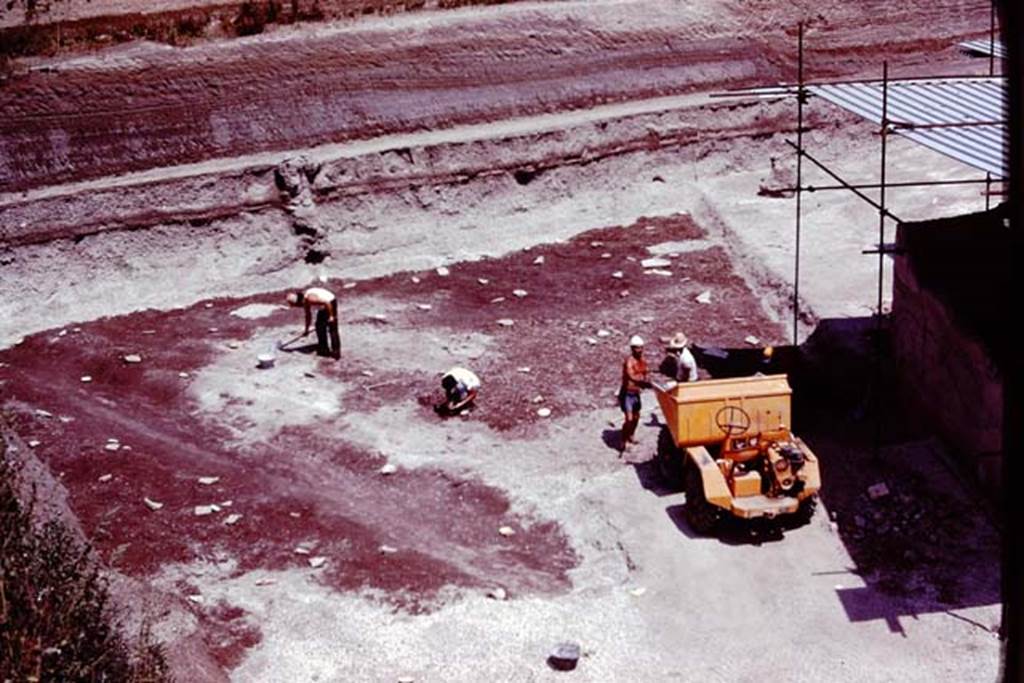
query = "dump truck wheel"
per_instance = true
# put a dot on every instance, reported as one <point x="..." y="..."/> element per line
<point x="702" y="516"/>
<point x="806" y="510"/>
<point x="670" y="461"/>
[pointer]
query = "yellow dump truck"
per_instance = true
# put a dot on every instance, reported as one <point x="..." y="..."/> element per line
<point x="727" y="441"/>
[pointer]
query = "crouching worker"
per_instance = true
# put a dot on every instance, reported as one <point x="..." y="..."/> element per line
<point x="460" y="388"/>
<point x="679" y="363"/>
<point x="328" y="341"/>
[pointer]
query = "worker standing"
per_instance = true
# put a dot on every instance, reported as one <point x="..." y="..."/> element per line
<point x="634" y="378"/>
<point x="679" y="363"/>
<point x="328" y="340"/>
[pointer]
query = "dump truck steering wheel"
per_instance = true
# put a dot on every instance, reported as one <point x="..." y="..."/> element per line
<point x="732" y="420"/>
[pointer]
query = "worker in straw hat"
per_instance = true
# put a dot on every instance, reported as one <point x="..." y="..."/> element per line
<point x="679" y="363"/>
<point x="634" y="378"/>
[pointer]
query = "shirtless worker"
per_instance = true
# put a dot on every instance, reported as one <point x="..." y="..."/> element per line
<point x="326" y="318"/>
<point x="634" y="378"/>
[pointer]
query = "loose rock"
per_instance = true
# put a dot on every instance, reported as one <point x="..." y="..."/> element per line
<point x="388" y="469"/>
<point x="133" y="358"/>
<point x="564" y="656"/>
<point x="520" y="293"/>
<point x="704" y="297"/>
<point x="152" y="504"/>
<point x="506" y="322"/>
<point x="752" y="340"/>
<point x="524" y="369"/>
<point x="443" y="272"/>
<point x="424" y="307"/>
<point x="544" y="412"/>
<point x="497" y="593"/>
<point x="86" y="379"/>
<point x="203" y="510"/>
<point x="232" y="519"/>
<point x="538" y="261"/>
<point x="878" y="490"/>
<point x="483" y="280"/>
<point x="617" y="275"/>
<point x="43" y="413"/>
<point x="388" y="550"/>
<point x="655" y="263"/>
<point x="32" y="443"/>
<point x="317" y="562"/>
<point x="208" y="481"/>
<point x="604" y="333"/>
<point x="506" y="531"/>
<point x="105" y="478"/>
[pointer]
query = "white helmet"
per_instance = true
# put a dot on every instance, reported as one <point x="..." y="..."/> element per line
<point x="636" y="340"/>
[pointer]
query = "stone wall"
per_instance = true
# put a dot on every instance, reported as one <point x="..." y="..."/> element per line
<point x="947" y="370"/>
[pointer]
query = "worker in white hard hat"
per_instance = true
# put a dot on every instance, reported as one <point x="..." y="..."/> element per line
<point x="679" y="363"/>
<point x="634" y="378"/>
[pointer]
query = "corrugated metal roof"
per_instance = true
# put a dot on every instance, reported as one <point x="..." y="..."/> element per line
<point x="985" y="47"/>
<point x="939" y="101"/>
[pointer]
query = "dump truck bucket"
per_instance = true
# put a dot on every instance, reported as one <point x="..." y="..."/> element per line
<point x="705" y="412"/>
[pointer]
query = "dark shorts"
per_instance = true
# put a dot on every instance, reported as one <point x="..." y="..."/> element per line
<point x="629" y="402"/>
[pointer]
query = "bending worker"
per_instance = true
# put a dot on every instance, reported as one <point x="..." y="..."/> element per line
<point x="679" y="363"/>
<point x="326" y="305"/>
<point x="460" y="388"/>
<point x="634" y="378"/>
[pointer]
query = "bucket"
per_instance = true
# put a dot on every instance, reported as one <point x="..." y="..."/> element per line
<point x="265" y="360"/>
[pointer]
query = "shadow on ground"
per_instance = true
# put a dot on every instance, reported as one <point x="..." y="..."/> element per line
<point x="928" y="543"/>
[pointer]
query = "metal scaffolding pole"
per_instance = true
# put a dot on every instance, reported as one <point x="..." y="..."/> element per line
<point x="800" y="98"/>
<point x="877" y="393"/>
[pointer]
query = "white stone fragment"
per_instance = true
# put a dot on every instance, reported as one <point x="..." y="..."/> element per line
<point x="424" y="307"/>
<point x="152" y="504"/>
<point x="520" y="293"/>
<point x="483" y="280"/>
<point x="591" y="341"/>
<point x="86" y="379"/>
<point x="497" y="593"/>
<point x="659" y="271"/>
<point x="704" y="297"/>
<point x="606" y="255"/>
<point x="232" y="519"/>
<point x="204" y="510"/>
<point x="388" y="469"/>
<point x="349" y="285"/>
<point x="133" y="358"/>
<point x="32" y="443"/>
<point x="617" y="275"/>
<point x="43" y="413"/>
<point x="523" y="369"/>
<point x="655" y="263"/>
<point x="604" y="333"/>
<point x="638" y="591"/>
<point x="752" y="340"/>
<point x="415" y="280"/>
<point x="443" y="272"/>
<point x="506" y="531"/>
<point x="208" y="481"/>
<point x="112" y="447"/>
<point x="506" y="322"/>
<point x="183" y="375"/>
<point x="544" y="412"/>
<point x="497" y="299"/>
<point x="105" y="478"/>
<point x="198" y="599"/>
<point x="300" y="550"/>
<point x="538" y="261"/>
<point x="317" y="562"/>
<point x="646" y="319"/>
<point x="387" y="550"/>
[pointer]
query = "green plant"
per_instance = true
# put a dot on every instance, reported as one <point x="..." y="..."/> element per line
<point x="56" y="622"/>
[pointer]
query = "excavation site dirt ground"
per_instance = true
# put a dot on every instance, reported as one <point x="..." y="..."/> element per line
<point x="481" y="187"/>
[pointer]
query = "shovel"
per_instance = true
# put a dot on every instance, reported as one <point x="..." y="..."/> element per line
<point x="282" y="344"/>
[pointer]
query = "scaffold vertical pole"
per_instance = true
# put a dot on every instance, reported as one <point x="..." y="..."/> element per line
<point x="877" y="392"/>
<point x="800" y="97"/>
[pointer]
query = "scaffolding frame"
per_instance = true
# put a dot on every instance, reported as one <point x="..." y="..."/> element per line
<point x="886" y="127"/>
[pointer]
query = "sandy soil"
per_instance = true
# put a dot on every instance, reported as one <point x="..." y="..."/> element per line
<point x="594" y="555"/>
<point x="160" y="201"/>
<point x="308" y="85"/>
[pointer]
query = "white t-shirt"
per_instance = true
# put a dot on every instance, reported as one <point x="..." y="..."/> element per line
<point x="686" y="360"/>
<point x="466" y="377"/>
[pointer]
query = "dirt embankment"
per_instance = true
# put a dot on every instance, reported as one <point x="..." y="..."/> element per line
<point x="98" y="116"/>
